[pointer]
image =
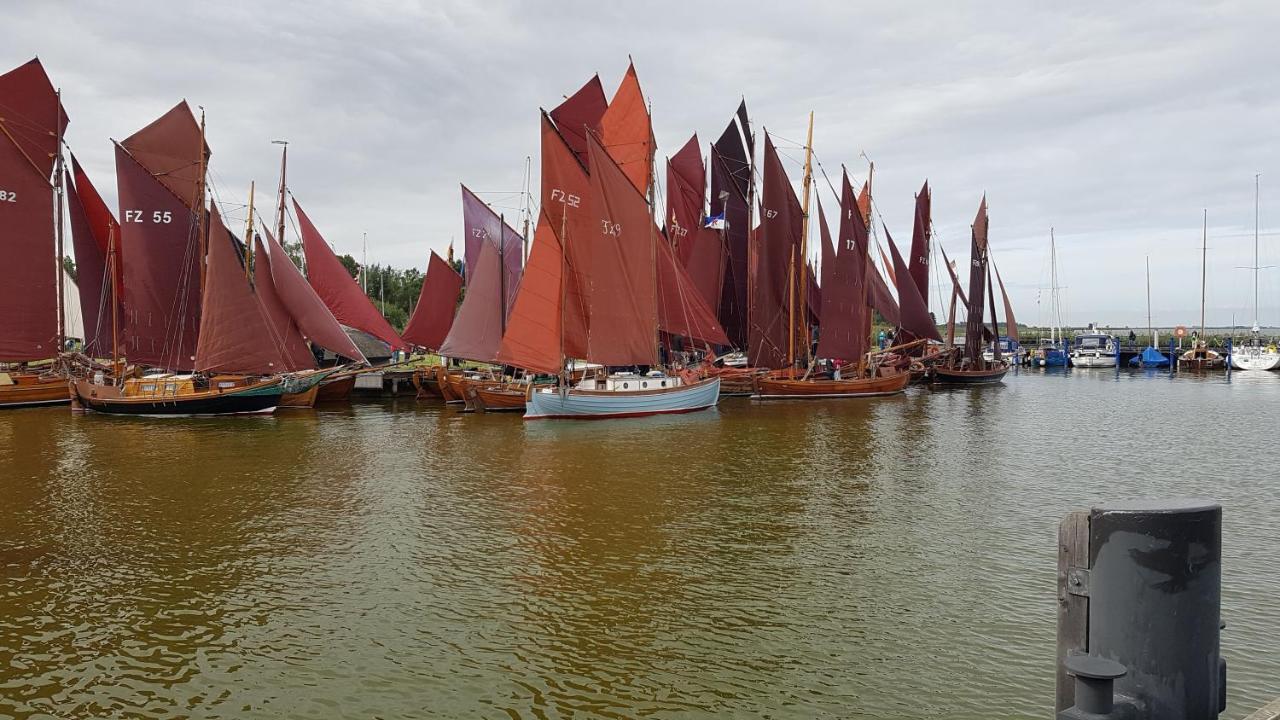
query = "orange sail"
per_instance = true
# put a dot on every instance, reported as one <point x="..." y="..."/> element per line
<point x="533" y="337"/>
<point x="626" y="132"/>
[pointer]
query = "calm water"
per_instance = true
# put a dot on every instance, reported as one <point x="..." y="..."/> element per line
<point x="888" y="558"/>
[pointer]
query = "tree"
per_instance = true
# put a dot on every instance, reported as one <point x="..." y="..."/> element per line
<point x="350" y="264"/>
<point x="69" y="265"/>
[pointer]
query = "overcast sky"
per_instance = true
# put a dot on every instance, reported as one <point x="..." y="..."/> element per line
<point x="1115" y="126"/>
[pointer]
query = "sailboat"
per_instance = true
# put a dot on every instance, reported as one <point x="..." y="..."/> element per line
<point x="844" y="318"/>
<point x="1255" y="355"/>
<point x="601" y="283"/>
<point x="971" y="368"/>
<point x="1052" y="352"/>
<point x="1150" y="357"/>
<point x="432" y="318"/>
<point x="1200" y="357"/>
<point x="32" y="324"/>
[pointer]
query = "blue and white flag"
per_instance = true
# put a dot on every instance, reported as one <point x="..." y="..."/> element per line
<point x="715" y="222"/>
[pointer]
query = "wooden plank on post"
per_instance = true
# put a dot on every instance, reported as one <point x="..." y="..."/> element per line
<point x="1073" y="599"/>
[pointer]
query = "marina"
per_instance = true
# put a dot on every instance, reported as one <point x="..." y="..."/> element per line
<point x="788" y="559"/>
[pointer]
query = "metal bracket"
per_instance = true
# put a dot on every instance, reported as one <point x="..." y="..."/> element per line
<point x="1078" y="581"/>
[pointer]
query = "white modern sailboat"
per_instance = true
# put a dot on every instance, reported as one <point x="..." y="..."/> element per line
<point x="1255" y="354"/>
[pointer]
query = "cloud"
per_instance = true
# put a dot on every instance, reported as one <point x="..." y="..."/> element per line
<point x="1115" y="125"/>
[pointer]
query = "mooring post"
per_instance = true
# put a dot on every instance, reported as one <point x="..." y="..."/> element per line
<point x="1173" y="358"/>
<point x="1230" y="348"/>
<point x="1152" y="585"/>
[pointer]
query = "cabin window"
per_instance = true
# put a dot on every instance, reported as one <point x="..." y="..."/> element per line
<point x="148" y="388"/>
<point x="171" y="387"/>
<point x="223" y="385"/>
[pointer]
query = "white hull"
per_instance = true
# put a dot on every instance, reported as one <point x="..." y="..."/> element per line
<point x="1093" y="361"/>
<point x="1247" y="359"/>
<point x="581" y="404"/>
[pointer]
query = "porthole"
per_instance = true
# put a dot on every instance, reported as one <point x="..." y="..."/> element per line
<point x="625" y="386"/>
<point x="644" y="384"/>
<point x="664" y="383"/>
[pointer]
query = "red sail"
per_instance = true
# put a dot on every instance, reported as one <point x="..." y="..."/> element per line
<point x="285" y="333"/>
<point x="477" y="330"/>
<point x="334" y="285"/>
<point x="842" y="330"/>
<point x="915" y="317"/>
<point x="699" y="249"/>
<point x="730" y="190"/>
<point x="626" y="132"/>
<point x="623" y="320"/>
<point x="235" y="335"/>
<point x="92" y="228"/>
<point x="437" y="301"/>
<point x="578" y="114"/>
<point x="813" y="294"/>
<point x="888" y="265"/>
<point x="774" y="305"/>
<point x="882" y="298"/>
<point x="977" y="277"/>
<point x="169" y="149"/>
<point x="565" y="189"/>
<point x="159" y="253"/>
<point x="921" y="234"/>
<point x="307" y="309"/>
<point x="1012" y="329"/>
<point x="533" y="337"/>
<point x="682" y="311"/>
<point x="481" y="225"/>
<point x="31" y="121"/>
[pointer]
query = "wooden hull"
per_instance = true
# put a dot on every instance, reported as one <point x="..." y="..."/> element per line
<point x="952" y="376"/>
<point x="336" y="388"/>
<point x="304" y="399"/>
<point x="737" y="382"/>
<point x="33" y="389"/>
<point x="261" y="397"/>
<point x="552" y="403"/>
<point x="494" y="398"/>
<point x="786" y="389"/>
<point x="424" y="379"/>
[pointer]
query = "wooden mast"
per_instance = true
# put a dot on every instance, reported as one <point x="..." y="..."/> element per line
<point x="248" y="238"/>
<point x="280" y="200"/>
<point x="57" y="194"/>
<point x="115" y="300"/>
<point x="201" y="239"/>
<point x="791" y="312"/>
<point x="502" y="272"/>
<point x="653" y="240"/>
<point x="803" y="326"/>
<point x="528" y="211"/>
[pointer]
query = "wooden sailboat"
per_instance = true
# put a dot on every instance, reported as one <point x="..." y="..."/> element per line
<point x="1254" y="354"/>
<point x="844" y="315"/>
<point x="592" y="288"/>
<point x="970" y="368"/>
<point x="432" y="318"/>
<point x="32" y="324"/>
<point x="1200" y="358"/>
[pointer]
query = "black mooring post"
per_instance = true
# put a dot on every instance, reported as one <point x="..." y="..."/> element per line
<point x="1153" y="583"/>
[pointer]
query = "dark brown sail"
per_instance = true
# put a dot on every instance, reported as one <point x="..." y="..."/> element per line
<point x="1011" y="325"/>
<point x="284" y="331"/>
<point x="977" y="286"/>
<point x="730" y="194"/>
<point x="579" y="113"/>
<point x="773" y="305"/>
<point x="915" y="319"/>
<point x="921" y="234"/>
<point x="843" y="331"/>
<point x="93" y="231"/>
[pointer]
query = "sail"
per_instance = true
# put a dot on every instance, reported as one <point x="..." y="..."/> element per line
<point x="921" y="234"/>
<point x="579" y="113"/>
<point x="682" y="311"/>
<point x="533" y="337"/>
<point x="160" y="263"/>
<point x="565" y="189"/>
<point x="626" y="133"/>
<point x="169" y="148"/>
<point x="73" y="323"/>
<point x="730" y="191"/>
<point x="977" y="278"/>
<point x="482" y="225"/>
<point x="914" y="313"/>
<point x="881" y="298"/>
<point x="1012" y="329"/>
<point x="309" y="312"/>
<point x="699" y="249"/>
<point x="32" y="121"/>
<point x="623" y="319"/>
<point x="813" y="294"/>
<point x="477" y="330"/>
<point x="843" y="332"/>
<point x="888" y="264"/>
<point x="92" y="230"/>
<point x="288" y="338"/>
<point x="959" y="291"/>
<point x="433" y="315"/>
<point x="235" y="335"/>
<point x="774" y="308"/>
<point x="334" y="285"/>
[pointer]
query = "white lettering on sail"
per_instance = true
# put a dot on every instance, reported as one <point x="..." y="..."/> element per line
<point x="158" y="217"/>
<point x="770" y="214"/>
<point x="571" y="200"/>
<point x="611" y="228"/>
<point x="481" y="233"/>
<point x="848" y="244"/>
<point x="8" y="196"/>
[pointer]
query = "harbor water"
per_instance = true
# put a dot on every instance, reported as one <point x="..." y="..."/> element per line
<point x="858" y="559"/>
